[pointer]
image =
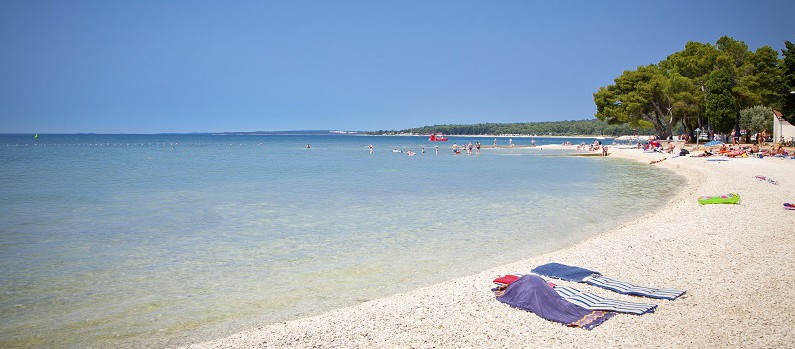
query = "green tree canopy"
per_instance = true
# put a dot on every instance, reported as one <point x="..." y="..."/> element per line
<point x="674" y="91"/>
<point x="788" y="81"/>
<point x="694" y="64"/>
<point x="721" y="107"/>
<point x="756" y="119"/>
<point x="639" y="95"/>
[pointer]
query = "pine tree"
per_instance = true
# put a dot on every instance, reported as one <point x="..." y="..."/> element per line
<point x="721" y="108"/>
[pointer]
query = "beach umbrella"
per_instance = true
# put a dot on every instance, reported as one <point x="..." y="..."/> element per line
<point x="713" y="143"/>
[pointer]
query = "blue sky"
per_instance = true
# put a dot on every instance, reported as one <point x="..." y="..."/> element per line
<point x="209" y="66"/>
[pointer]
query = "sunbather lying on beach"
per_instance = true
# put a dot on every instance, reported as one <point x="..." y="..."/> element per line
<point x="735" y="153"/>
<point x="706" y="153"/>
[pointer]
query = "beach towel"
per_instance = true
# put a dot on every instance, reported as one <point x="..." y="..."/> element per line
<point x="563" y="272"/>
<point x="577" y="274"/>
<point x="506" y="280"/>
<point x="588" y="300"/>
<point x="593" y="301"/>
<point x="765" y="179"/>
<point x="634" y="290"/>
<point x="532" y="293"/>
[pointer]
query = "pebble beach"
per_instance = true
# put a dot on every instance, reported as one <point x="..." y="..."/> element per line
<point x="734" y="261"/>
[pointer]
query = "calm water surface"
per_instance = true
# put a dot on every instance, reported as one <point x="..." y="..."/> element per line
<point x="162" y="240"/>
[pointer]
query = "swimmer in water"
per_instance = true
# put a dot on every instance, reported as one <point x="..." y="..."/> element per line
<point x="307" y="146"/>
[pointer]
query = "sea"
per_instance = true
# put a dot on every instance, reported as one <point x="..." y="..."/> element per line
<point x="172" y="239"/>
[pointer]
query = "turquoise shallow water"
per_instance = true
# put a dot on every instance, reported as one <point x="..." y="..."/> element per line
<point x="129" y="240"/>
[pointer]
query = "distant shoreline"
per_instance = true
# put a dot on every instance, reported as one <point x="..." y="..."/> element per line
<point x="493" y="136"/>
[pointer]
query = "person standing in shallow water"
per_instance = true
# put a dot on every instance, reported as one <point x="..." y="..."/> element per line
<point x="307" y="146"/>
<point x="371" y="148"/>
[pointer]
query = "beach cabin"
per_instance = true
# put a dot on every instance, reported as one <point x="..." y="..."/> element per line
<point x="782" y="129"/>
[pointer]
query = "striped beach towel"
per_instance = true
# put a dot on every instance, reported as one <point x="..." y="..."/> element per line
<point x="577" y="274"/>
<point x="531" y="292"/>
<point x="634" y="290"/>
<point x="592" y="301"/>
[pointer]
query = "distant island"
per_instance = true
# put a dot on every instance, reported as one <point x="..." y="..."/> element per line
<point x="544" y="128"/>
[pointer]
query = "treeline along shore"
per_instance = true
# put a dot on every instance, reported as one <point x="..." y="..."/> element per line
<point x="549" y="128"/>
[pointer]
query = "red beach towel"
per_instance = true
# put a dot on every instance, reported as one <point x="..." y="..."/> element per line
<point x="506" y="280"/>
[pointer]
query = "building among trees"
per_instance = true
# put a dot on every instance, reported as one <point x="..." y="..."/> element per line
<point x="782" y="129"/>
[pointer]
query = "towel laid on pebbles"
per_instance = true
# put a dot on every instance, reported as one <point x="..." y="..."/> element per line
<point x="589" y="300"/>
<point x="531" y="292"/>
<point x="593" y="301"/>
<point x="577" y="274"/>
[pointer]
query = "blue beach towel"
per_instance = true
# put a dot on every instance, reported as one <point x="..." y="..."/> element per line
<point x="592" y="301"/>
<point x="532" y="293"/>
<point x="577" y="274"/>
<point x="563" y="272"/>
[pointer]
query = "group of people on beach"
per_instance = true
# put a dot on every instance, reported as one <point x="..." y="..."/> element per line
<point x="753" y="150"/>
<point x="596" y="145"/>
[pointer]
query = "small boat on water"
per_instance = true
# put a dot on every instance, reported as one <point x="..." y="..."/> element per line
<point x="437" y="139"/>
